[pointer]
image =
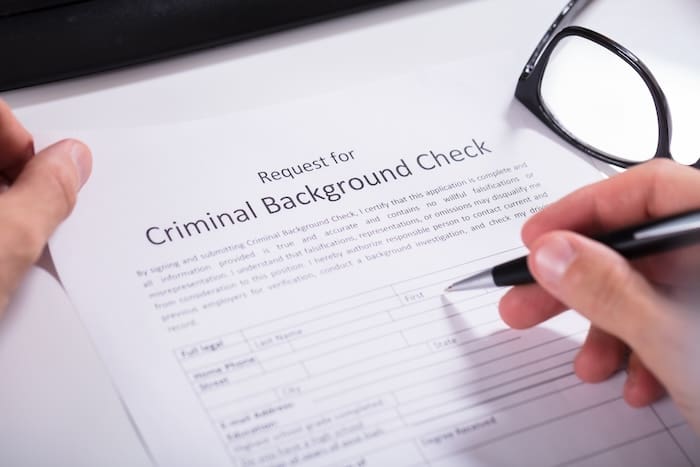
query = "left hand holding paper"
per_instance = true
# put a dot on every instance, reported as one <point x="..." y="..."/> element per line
<point x="37" y="192"/>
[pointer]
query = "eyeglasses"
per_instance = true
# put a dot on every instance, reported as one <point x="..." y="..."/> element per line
<point x="596" y="94"/>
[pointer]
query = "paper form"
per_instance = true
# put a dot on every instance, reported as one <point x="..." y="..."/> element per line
<point x="267" y="288"/>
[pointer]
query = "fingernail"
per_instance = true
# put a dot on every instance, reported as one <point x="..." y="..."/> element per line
<point x="81" y="157"/>
<point x="553" y="259"/>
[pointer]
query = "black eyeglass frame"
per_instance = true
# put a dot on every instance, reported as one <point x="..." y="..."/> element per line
<point x="528" y="90"/>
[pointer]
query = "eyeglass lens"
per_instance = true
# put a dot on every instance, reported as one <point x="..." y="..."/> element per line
<point x="600" y="100"/>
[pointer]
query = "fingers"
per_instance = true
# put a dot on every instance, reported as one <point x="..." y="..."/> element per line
<point x="622" y="305"/>
<point x="41" y="197"/>
<point x="16" y="144"/>
<point x="601" y="355"/>
<point x="528" y="305"/>
<point x="601" y="285"/>
<point x="45" y="192"/>
<point x="525" y="306"/>
<point x="641" y="388"/>
<point x="605" y="288"/>
<point x="655" y="189"/>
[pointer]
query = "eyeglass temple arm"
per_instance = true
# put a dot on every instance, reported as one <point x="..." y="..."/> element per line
<point x="564" y="18"/>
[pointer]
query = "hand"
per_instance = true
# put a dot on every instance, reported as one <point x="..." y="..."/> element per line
<point x="645" y="309"/>
<point x="36" y="193"/>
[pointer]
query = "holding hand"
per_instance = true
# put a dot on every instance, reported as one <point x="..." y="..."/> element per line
<point x="37" y="192"/>
<point x="649" y="307"/>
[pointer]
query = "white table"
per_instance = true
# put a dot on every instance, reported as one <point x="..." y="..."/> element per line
<point x="57" y="403"/>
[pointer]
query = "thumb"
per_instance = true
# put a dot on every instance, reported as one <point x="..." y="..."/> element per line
<point x="601" y="285"/>
<point x="42" y="196"/>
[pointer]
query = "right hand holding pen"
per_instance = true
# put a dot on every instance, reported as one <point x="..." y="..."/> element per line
<point x="649" y="308"/>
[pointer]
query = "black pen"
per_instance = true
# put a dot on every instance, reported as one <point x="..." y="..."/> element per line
<point x="651" y="238"/>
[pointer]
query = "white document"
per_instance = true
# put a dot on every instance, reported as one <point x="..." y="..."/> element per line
<point x="267" y="288"/>
<point x="56" y="394"/>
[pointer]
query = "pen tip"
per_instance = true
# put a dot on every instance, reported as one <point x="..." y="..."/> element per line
<point x="482" y="280"/>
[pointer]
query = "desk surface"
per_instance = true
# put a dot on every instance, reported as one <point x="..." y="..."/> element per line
<point x="57" y="400"/>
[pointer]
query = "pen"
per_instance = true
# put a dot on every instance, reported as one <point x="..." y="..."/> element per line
<point x="653" y="237"/>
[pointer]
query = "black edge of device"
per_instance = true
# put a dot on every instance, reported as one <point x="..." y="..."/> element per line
<point x="86" y="37"/>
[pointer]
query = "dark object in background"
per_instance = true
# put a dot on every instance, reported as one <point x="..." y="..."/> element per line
<point x="48" y="40"/>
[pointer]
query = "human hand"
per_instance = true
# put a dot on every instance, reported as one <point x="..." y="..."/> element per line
<point x="649" y="309"/>
<point x="36" y="193"/>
